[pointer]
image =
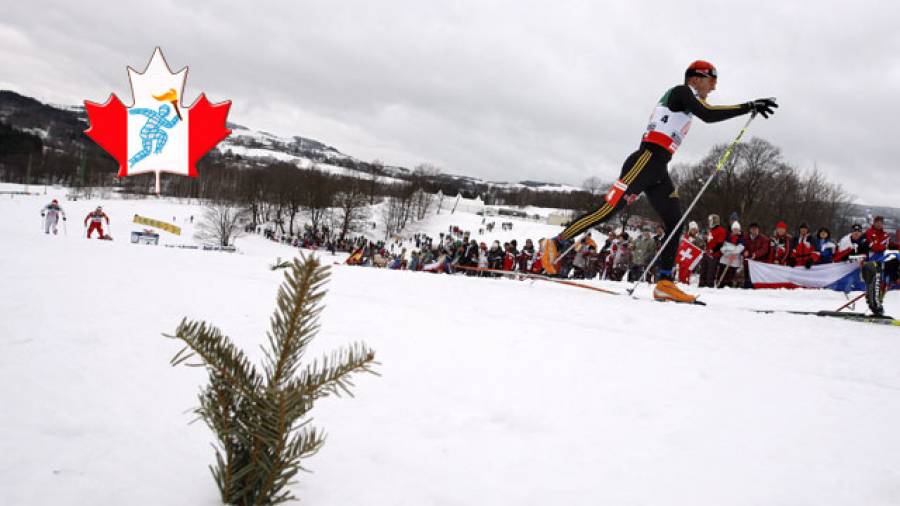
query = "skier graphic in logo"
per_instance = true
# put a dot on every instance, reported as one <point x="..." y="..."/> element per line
<point x="153" y="129"/>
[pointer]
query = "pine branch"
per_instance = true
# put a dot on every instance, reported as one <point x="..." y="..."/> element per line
<point x="217" y="352"/>
<point x="294" y="321"/>
<point x="261" y="421"/>
<point x="332" y="374"/>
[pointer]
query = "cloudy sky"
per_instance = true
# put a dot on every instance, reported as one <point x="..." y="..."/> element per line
<point x="554" y="90"/>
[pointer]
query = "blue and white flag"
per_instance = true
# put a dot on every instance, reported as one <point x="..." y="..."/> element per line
<point x="844" y="277"/>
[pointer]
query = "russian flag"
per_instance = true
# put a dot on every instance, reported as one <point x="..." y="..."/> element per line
<point x="844" y="277"/>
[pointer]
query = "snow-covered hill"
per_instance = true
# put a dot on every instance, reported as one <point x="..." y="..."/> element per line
<point x="492" y="391"/>
<point x="61" y="126"/>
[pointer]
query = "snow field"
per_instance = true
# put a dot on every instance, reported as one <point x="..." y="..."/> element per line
<point x="493" y="391"/>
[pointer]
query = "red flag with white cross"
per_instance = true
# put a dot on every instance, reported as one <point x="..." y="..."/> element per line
<point x="688" y="255"/>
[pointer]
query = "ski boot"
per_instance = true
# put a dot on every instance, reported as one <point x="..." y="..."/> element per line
<point x="666" y="290"/>
<point x="872" y="275"/>
<point x="550" y="254"/>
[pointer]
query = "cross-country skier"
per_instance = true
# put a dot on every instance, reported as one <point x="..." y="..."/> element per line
<point x="646" y="170"/>
<point x="96" y="218"/>
<point x="51" y="213"/>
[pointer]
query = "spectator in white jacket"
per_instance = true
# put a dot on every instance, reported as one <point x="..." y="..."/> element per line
<point x="732" y="260"/>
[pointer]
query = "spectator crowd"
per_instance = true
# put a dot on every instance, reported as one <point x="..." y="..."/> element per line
<point x="621" y="256"/>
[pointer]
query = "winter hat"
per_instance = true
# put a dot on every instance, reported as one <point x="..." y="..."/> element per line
<point x="857" y="227"/>
<point x="54" y="201"/>
<point x="693" y="226"/>
<point x="701" y="68"/>
<point x="781" y="224"/>
<point x="735" y="227"/>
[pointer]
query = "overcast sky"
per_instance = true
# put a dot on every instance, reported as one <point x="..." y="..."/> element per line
<point x="555" y="91"/>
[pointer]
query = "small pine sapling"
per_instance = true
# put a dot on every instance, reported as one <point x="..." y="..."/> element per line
<point x="260" y="416"/>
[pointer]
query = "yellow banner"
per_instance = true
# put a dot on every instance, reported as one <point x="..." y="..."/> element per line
<point x="162" y="225"/>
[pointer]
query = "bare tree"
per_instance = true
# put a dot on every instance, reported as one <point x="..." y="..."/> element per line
<point x="758" y="185"/>
<point x="318" y="190"/>
<point x="594" y="185"/>
<point x="221" y="224"/>
<point x="421" y="203"/>
<point x="351" y="209"/>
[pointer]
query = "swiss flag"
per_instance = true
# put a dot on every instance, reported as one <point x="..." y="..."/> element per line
<point x="688" y="256"/>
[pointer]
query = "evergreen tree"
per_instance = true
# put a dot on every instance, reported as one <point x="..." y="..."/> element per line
<point x="260" y="417"/>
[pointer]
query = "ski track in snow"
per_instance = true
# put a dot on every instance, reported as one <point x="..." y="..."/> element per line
<point x="493" y="391"/>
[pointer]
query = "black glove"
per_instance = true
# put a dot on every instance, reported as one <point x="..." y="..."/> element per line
<point x="64" y="218"/>
<point x="764" y="106"/>
<point x="42" y="215"/>
<point x="808" y="264"/>
<point x="791" y="262"/>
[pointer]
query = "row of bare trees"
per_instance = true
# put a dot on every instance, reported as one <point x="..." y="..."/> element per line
<point x="760" y="186"/>
<point x="756" y="185"/>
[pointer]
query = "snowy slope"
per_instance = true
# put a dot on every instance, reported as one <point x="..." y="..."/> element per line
<point x="493" y="391"/>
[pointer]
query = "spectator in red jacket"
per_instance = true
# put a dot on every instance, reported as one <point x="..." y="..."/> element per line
<point x="877" y="238"/>
<point x="803" y="249"/>
<point x="757" y="248"/>
<point x="780" y="245"/>
<point x="714" y="241"/>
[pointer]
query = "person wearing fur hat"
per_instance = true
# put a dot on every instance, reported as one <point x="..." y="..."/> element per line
<point x="715" y="238"/>
<point x="731" y="260"/>
<point x="780" y="245"/>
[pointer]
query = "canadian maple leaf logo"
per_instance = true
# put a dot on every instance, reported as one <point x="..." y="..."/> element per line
<point x="156" y="133"/>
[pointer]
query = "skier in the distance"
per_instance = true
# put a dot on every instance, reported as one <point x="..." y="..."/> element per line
<point x="96" y="218"/>
<point x="646" y="170"/>
<point x="51" y="213"/>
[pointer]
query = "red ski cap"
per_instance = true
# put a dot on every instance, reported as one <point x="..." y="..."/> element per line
<point x="701" y="68"/>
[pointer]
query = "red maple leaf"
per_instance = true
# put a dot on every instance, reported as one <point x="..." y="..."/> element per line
<point x="109" y="129"/>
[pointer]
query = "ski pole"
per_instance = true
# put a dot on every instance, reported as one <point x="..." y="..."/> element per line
<point x="566" y="252"/>
<point x="850" y="302"/>
<point x="725" y="270"/>
<point x="721" y="163"/>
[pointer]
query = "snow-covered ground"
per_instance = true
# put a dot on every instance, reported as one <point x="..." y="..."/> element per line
<point x="492" y="391"/>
